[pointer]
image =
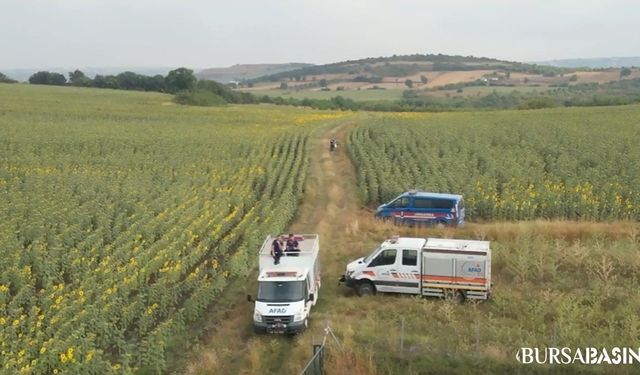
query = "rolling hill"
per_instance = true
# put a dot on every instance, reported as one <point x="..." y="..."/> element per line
<point x="429" y="75"/>
<point x="241" y="72"/>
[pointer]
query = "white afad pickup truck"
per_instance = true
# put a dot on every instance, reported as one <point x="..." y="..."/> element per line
<point x="457" y="269"/>
<point x="288" y="290"/>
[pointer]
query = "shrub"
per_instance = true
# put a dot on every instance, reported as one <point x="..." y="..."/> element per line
<point x="199" y="97"/>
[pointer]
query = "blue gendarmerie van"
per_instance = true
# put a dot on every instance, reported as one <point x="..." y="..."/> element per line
<point x="424" y="208"/>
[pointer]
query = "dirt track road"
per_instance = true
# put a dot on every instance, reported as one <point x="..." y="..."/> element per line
<point x="329" y="207"/>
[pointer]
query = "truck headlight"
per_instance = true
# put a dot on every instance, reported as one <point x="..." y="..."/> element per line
<point x="349" y="273"/>
<point x="257" y="317"/>
<point x="298" y="316"/>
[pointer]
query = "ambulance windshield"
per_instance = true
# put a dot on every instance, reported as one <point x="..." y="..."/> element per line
<point x="281" y="291"/>
<point x="370" y="256"/>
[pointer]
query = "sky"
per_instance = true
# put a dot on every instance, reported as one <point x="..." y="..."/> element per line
<point x="210" y="33"/>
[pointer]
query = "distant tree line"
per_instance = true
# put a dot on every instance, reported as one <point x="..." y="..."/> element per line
<point x="191" y="91"/>
<point x="592" y="94"/>
<point x="584" y="94"/>
<point x="5" y="79"/>
<point x="370" y="79"/>
<point x="175" y="81"/>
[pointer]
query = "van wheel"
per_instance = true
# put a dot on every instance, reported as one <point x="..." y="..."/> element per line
<point x="440" y="224"/>
<point x="365" y="288"/>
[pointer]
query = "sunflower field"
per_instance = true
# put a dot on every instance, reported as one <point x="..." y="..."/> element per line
<point x="124" y="216"/>
<point x="573" y="163"/>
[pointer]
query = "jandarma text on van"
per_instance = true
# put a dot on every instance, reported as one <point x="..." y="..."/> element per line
<point x="585" y="356"/>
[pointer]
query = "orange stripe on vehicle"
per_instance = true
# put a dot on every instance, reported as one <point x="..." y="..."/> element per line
<point x="454" y="279"/>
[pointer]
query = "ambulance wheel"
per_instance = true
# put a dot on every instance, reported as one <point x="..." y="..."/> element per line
<point x="454" y="296"/>
<point x="365" y="288"/>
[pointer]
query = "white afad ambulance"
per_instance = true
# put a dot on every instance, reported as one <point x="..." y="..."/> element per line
<point x="457" y="269"/>
<point x="288" y="290"/>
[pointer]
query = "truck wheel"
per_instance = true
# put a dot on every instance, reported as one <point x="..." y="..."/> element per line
<point x="365" y="288"/>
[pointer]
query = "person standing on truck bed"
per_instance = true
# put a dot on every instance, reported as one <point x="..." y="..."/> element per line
<point x="276" y="249"/>
<point x="292" y="246"/>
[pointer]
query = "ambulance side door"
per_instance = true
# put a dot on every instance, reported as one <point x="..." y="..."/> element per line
<point x="406" y="273"/>
<point x="382" y="265"/>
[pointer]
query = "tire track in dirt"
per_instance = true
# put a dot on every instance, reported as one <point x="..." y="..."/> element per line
<point x="324" y="210"/>
<point x="328" y="207"/>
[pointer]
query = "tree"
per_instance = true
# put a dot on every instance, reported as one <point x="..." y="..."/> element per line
<point x="323" y="83"/>
<point x="129" y="81"/>
<point x="284" y="86"/>
<point x="47" y="78"/>
<point x="424" y="80"/>
<point x="573" y="78"/>
<point x="5" y="79"/>
<point x="180" y="79"/>
<point x="155" y="83"/>
<point x="77" y="78"/>
<point x="624" y="72"/>
<point x="105" y="82"/>
<point x="409" y="83"/>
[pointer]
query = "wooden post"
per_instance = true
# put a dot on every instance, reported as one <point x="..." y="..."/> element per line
<point x="402" y="337"/>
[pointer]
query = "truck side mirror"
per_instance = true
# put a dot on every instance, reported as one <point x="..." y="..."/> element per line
<point x="249" y="298"/>
<point x="311" y="297"/>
